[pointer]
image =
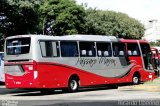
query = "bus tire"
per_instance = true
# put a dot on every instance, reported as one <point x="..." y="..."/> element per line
<point x="136" y="79"/>
<point x="73" y="84"/>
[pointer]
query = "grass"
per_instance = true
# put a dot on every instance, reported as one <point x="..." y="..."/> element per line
<point x="151" y="86"/>
<point x="154" y="82"/>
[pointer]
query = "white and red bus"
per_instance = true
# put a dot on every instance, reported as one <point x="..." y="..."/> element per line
<point x="2" y="78"/>
<point x="43" y="62"/>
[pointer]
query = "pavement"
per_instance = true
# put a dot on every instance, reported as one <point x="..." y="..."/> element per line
<point x="147" y="94"/>
<point x="150" y="86"/>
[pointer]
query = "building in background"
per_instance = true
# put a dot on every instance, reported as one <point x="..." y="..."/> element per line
<point x="152" y="33"/>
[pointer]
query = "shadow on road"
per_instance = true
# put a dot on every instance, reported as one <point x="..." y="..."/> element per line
<point x="4" y="91"/>
<point x="33" y="92"/>
<point x="2" y="83"/>
<point x="56" y="92"/>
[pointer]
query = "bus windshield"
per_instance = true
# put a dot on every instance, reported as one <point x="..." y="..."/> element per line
<point x="18" y="46"/>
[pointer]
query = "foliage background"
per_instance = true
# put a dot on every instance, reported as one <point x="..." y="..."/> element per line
<point x="63" y="17"/>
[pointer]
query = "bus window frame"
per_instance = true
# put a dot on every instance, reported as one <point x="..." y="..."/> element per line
<point x="95" y="48"/>
<point x="118" y="50"/>
<point x="77" y="55"/>
<point x="111" y="50"/>
<point x="58" y="49"/>
<point x="138" y="54"/>
<point x="29" y="51"/>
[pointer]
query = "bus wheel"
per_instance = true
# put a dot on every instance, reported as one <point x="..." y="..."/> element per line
<point x="73" y="84"/>
<point x="136" y="79"/>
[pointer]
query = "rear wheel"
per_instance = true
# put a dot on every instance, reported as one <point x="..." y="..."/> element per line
<point x="73" y="84"/>
<point x="136" y="79"/>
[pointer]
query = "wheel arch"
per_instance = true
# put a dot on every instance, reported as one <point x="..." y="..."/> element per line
<point x="74" y="76"/>
<point x="137" y="73"/>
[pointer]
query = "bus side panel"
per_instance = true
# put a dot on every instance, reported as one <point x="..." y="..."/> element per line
<point x="51" y="75"/>
<point x="24" y="81"/>
<point x="61" y="74"/>
<point x="139" y="68"/>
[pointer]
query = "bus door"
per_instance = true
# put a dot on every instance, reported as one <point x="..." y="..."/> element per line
<point x="147" y="56"/>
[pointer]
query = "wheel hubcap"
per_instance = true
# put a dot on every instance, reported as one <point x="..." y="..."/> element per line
<point x="135" y="80"/>
<point x="73" y="85"/>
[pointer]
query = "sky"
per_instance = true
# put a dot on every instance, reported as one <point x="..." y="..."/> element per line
<point x="142" y="10"/>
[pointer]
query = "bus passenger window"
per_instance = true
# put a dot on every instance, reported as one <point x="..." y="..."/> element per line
<point x="103" y="49"/>
<point x="119" y="49"/>
<point x="69" y="49"/>
<point x="55" y="49"/>
<point x="89" y="47"/>
<point x="133" y="49"/>
<point x="49" y="51"/>
<point x="49" y="48"/>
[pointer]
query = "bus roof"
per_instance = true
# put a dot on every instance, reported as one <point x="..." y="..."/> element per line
<point x="78" y="37"/>
<point x="70" y="37"/>
<point x="133" y="41"/>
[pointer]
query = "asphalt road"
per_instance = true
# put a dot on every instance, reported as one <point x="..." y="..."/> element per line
<point x="123" y="96"/>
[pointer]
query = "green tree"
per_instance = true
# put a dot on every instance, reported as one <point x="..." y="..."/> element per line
<point x="112" y="23"/>
<point x="157" y="43"/>
<point x="1" y="41"/>
<point x="19" y="16"/>
<point x="62" y="17"/>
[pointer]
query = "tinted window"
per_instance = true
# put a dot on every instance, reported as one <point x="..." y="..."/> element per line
<point x="1" y="58"/>
<point x="18" y="46"/>
<point x="87" y="49"/>
<point x="133" y="49"/>
<point x="104" y="49"/>
<point x="49" y="48"/>
<point x="69" y="49"/>
<point x="145" y="48"/>
<point x="119" y="49"/>
<point x="147" y="56"/>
